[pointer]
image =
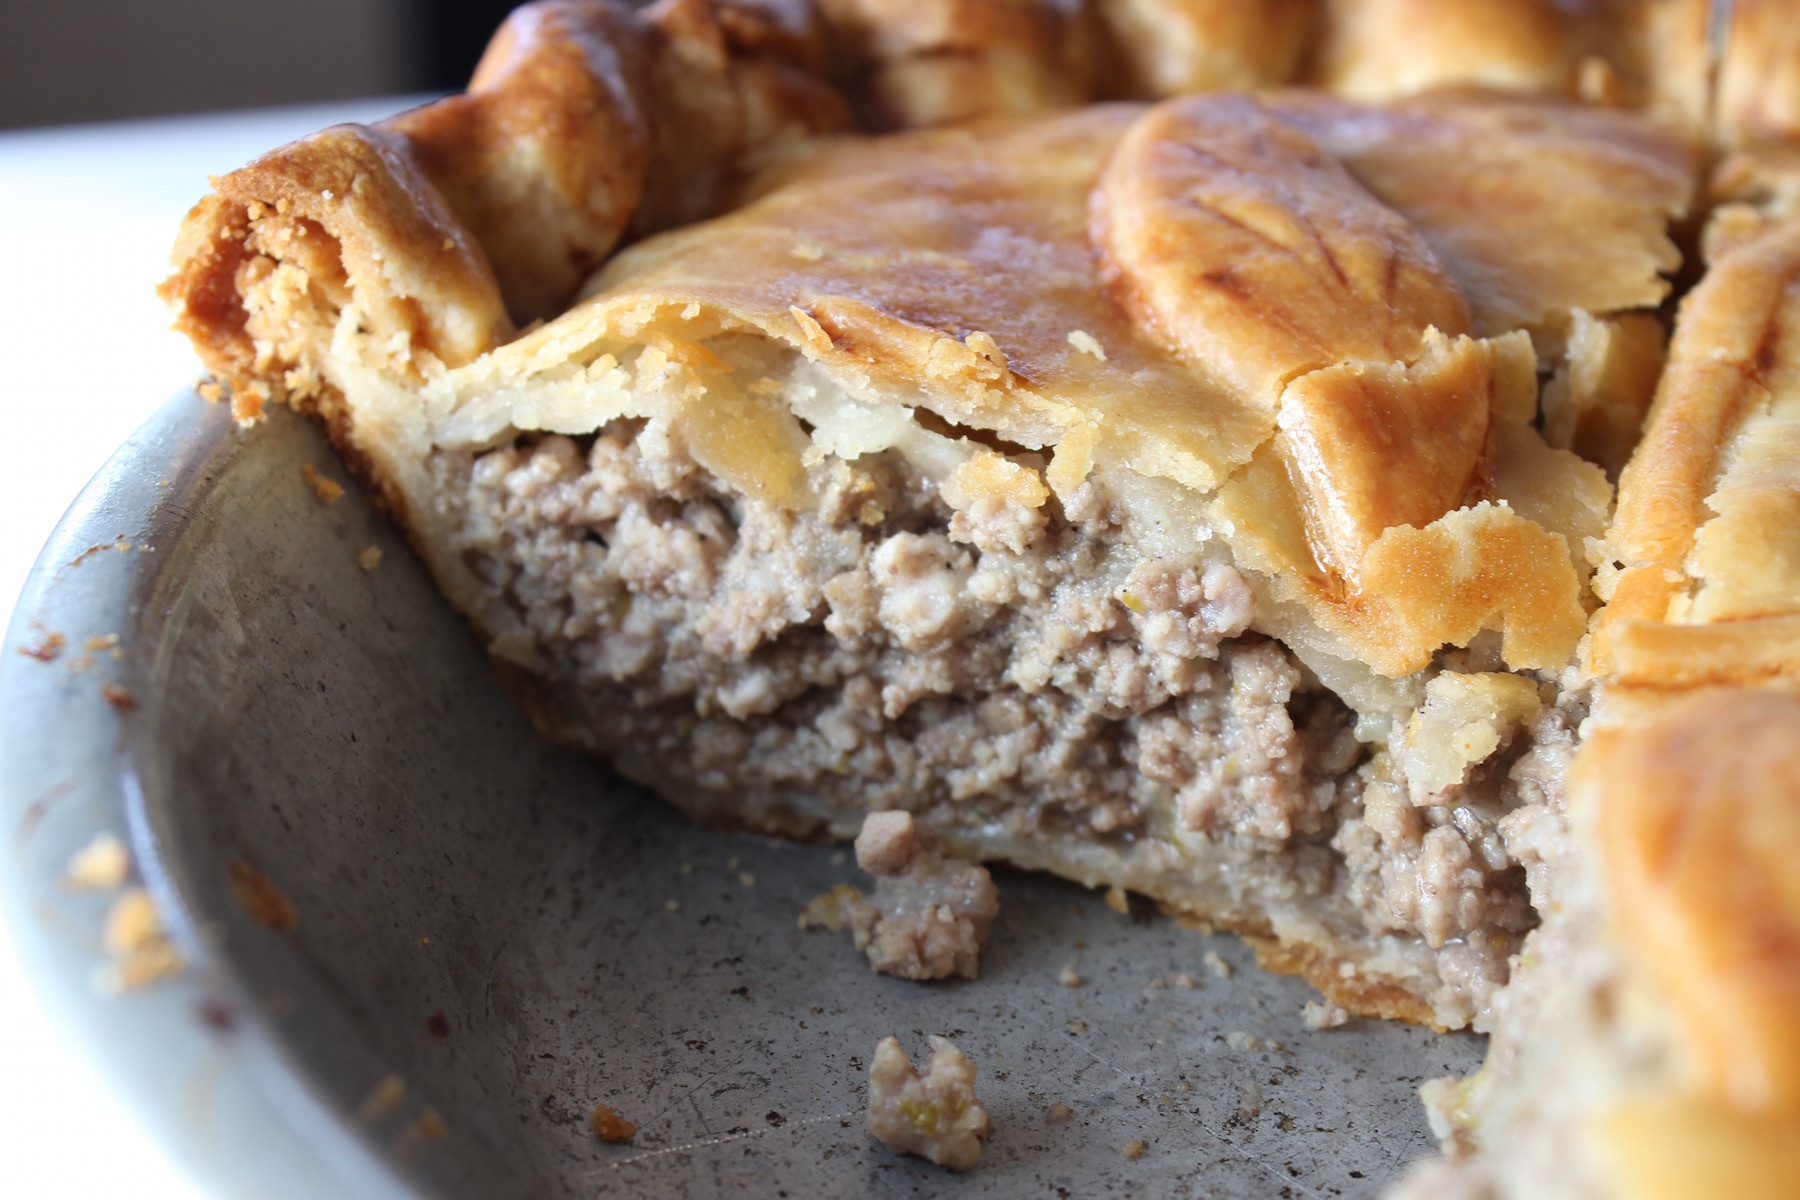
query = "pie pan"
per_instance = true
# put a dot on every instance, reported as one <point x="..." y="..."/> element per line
<point x="491" y="936"/>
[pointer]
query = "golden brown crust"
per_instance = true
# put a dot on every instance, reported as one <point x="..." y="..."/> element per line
<point x="1632" y="53"/>
<point x="1705" y="530"/>
<point x="1699" y="823"/>
<point x="1378" y="49"/>
<point x="1758" y="96"/>
<point x="1154" y="48"/>
<point x="911" y="65"/>
<point x="1536" y="208"/>
<point x="543" y="157"/>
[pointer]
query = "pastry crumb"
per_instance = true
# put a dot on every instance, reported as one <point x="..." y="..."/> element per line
<point x="258" y="896"/>
<point x="135" y="941"/>
<point x="1184" y="981"/>
<point x="103" y="642"/>
<point x="1134" y="1149"/>
<point x="830" y="910"/>
<point x="430" y="1125"/>
<point x="609" y="1126"/>
<point x="671" y="906"/>
<point x="369" y="557"/>
<point x="1117" y="900"/>
<point x="1087" y="343"/>
<point x="807" y="252"/>
<point x="383" y="1098"/>
<point x="328" y="490"/>
<point x="1077" y="1025"/>
<point x="104" y="863"/>
<point x="1068" y="976"/>
<point x="45" y="649"/>
<point x="934" y="1115"/>
<point x="1217" y="965"/>
<point x="1250" y="1102"/>
<point x="746" y="879"/>
<point x="246" y="408"/>
<point x="1057" y="1113"/>
<point x="1323" y="1015"/>
<point x="1247" y="1043"/>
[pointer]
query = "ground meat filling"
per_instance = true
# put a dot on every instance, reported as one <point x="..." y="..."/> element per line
<point x="1032" y="671"/>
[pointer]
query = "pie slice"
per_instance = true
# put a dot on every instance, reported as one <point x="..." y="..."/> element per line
<point x="1149" y="495"/>
<point x="1212" y="498"/>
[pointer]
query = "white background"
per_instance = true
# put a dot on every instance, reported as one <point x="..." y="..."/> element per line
<point x="87" y="215"/>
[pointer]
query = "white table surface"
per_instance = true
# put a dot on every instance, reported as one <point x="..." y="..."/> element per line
<point x="87" y="215"/>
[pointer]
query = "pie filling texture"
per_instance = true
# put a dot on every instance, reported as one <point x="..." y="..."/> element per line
<point x="1213" y="497"/>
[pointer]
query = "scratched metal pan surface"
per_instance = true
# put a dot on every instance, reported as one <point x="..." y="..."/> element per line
<point x="490" y="936"/>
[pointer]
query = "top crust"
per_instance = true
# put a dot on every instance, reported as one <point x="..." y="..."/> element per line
<point x="1707" y="584"/>
<point x="1291" y="347"/>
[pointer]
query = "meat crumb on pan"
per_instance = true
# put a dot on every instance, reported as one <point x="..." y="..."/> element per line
<point x="929" y="915"/>
<point x="609" y="1126"/>
<point x="934" y="1115"/>
<point x="1322" y="1014"/>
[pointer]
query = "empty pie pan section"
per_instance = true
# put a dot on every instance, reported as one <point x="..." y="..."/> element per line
<point x="419" y="945"/>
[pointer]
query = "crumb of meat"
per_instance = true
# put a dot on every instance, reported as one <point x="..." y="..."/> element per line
<point x="1117" y="900"/>
<point x="929" y="915"/>
<point x="369" y="557"/>
<point x="136" y="943"/>
<point x="258" y="896"/>
<point x="328" y="490"/>
<point x="1068" y="976"/>
<point x="104" y="863"/>
<point x="1217" y="965"/>
<point x="609" y="1126"/>
<point x="1184" y="981"/>
<point x="1134" y="1149"/>
<point x="1323" y="1015"/>
<point x="45" y="647"/>
<point x="118" y="697"/>
<point x="934" y="1115"/>
<point x="1057" y="1113"/>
